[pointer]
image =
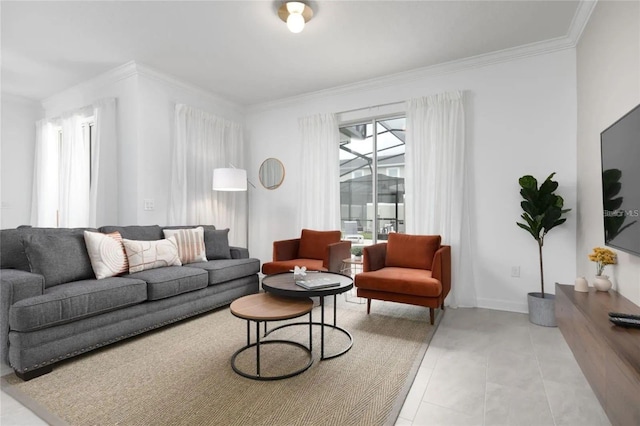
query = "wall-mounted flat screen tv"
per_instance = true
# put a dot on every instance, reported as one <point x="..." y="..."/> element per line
<point x="620" y="146"/>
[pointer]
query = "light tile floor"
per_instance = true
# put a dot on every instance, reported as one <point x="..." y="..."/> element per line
<point x="483" y="367"/>
<point x="486" y="367"/>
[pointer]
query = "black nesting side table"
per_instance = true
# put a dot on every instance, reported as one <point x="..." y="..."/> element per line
<point x="264" y="307"/>
<point x="283" y="284"/>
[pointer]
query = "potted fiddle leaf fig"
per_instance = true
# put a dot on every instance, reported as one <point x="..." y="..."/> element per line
<point x="543" y="210"/>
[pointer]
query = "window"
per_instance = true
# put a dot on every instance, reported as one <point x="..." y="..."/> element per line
<point x="75" y="139"/>
<point x="357" y="174"/>
<point x="393" y="171"/>
<point x="371" y="182"/>
<point x="65" y="173"/>
<point x="89" y="136"/>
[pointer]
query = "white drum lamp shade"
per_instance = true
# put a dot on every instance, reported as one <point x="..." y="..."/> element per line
<point x="229" y="179"/>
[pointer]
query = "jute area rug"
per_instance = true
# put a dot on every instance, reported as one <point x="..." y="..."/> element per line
<point x="181" y="374"/>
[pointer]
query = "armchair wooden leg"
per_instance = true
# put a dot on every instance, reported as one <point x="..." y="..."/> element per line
<point x="432" y="315"/>
<point x="368" y="306"/>
<point x="442" y="305"/>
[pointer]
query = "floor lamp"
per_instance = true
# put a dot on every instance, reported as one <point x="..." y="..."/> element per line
<point x="233" y="180"/>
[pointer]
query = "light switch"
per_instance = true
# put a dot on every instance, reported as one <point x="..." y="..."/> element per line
<point x="515" y="271"/>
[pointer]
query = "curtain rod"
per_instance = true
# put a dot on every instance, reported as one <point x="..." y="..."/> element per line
<point x="371" y="107"/>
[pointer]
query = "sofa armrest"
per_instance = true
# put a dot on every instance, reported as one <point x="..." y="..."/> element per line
<point x="15" y="285"/>
<point x="374" y="257"/>
<point x="441" y="269"/>
<point x="286" y="249"/>
<point x="335" y="254"/>
<point x="239" y="252"/>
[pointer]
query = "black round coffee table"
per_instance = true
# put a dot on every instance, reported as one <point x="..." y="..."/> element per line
<point x="283" y="284"/>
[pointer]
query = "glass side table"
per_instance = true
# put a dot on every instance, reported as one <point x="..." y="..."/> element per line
<point x="350" y="267"/>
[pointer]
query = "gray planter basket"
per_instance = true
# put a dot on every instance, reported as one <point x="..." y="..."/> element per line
<point x="542" y="309"/>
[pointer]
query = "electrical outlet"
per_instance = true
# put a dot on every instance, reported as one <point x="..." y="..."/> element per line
<point x="515" y="271"/>
<point x="149" y="204"/>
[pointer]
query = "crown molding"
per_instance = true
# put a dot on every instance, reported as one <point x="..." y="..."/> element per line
<point x="112" y="76"/>
<point x="153" y="74"/>
<point x="580" y="19"/>
<point x="578" y="23"/>
<point x="450" y="67"/>
<point x="131" y="69"/>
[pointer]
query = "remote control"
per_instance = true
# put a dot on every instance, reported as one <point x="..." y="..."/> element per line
<point x="625" y="322"/>
<point x="623" y="315"/>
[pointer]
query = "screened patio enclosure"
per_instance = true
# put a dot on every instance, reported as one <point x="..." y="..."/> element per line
<point x="356" y="204"/>
<point x="375" y="207"/>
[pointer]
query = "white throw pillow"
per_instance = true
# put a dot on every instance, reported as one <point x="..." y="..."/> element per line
<point x="191" y="246"/>
<point x="106" y="253"/>
<point x="143" y="255"/>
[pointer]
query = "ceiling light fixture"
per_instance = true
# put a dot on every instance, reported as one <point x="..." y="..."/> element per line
<point x="295" y="14"/>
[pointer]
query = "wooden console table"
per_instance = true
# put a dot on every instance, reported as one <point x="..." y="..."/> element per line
<point x="608" y="355"/>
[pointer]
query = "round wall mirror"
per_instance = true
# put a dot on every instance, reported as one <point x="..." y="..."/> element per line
<point x="271" y="173"/>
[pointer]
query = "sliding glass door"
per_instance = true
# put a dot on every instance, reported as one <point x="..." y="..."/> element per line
<point x="372" y="179"/>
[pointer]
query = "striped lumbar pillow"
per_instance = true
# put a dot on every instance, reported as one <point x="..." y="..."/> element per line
<point x="191" y="246"/>
<point x="106" y="253"/>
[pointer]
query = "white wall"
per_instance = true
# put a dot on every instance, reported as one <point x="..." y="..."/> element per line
<point x="19" y="116"/>
<point x="146" y="101"/>
<point x="608" y="76"/>
<point x="521" y="119"/>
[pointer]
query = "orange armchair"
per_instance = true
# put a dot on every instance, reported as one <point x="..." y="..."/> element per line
<point x="412" y="269"/>
<point x="315" y="250"/>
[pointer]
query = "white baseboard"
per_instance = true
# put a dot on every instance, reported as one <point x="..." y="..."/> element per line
<point x="503" y="305"/>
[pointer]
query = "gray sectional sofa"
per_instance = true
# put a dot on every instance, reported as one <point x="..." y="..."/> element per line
<point x="56" y="309"/>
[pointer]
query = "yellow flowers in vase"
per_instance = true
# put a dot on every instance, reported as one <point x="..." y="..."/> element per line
<point x="603" y="257"/>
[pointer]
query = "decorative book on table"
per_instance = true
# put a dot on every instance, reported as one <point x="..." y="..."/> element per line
<point x="316" y="283"/>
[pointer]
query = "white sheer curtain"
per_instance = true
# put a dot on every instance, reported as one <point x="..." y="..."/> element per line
<point x="204" y="142"/>
<point x="75" y="177"/>
<point x="435" y="183"/>
<point x="103" y="194"/>
<point x="44" y="196"/>
<point x="319" y="206"/>
<point x="67" y="188"/>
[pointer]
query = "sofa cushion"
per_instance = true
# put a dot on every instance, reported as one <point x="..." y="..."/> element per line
<point x="279" y="266"/>
<point x="414" y="282"/>
<point x="217" y="244"/>
<point x="144" y="255"/>
<point x="72" y="301"/>
<point x="313" y="244"/>
<point x="223" y="270"/>
<point x="12" y="254"/>
<point x="170" y="281"/>
<point x="58" y="257"/>
<point x="411" y="251"/>
<point x="190" y="243"/>
<point x="142" y="233"/>
<point x="107" y="254"/>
